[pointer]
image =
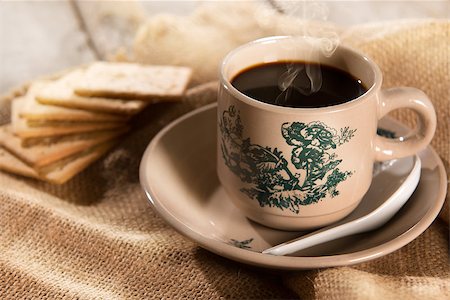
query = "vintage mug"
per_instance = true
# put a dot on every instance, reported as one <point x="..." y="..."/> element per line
<point x="301" y="168"/>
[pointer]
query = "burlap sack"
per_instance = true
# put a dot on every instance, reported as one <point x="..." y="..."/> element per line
<point x="97" y="238"/>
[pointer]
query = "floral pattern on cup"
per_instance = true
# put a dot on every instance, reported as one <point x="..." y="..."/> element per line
<point x="274" y="182"/>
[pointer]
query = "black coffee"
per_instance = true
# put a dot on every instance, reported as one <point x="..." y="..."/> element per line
<point x="298" y="84"/>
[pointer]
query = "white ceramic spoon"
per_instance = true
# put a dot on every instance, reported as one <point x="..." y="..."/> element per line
<point x="367" y="216"/>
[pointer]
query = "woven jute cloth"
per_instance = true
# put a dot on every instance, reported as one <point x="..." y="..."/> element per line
<point x="96" y="237"/>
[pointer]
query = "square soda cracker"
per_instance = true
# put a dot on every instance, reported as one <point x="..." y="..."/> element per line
<point x="134" y="81"/>
<point x="59" y="123"/>
<point x="59" y="174"/>
<point x="75" y="137"/>
<point x="42" y="155"/>
<point x="35" y="111"/>
<point x="12" y="164"/>
<point x="20" y="127"/>
<point x="61" y="93"/>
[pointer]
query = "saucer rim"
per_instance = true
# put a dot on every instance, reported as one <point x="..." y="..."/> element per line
<point x="285" y="262"/>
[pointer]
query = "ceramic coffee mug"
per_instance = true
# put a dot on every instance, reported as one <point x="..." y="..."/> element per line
<point x="302" y="168"/>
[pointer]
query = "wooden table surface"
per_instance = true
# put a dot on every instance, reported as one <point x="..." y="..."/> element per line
<point x="43" y="37"/>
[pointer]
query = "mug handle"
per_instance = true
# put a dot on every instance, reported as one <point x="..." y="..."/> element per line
<point x="415" y="99"/>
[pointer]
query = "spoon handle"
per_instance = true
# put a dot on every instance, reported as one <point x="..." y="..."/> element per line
<point x="366" y="222"/>
<point x="314" y="238"/>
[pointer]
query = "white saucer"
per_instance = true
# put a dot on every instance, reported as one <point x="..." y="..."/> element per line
<point x="178" y="175"/>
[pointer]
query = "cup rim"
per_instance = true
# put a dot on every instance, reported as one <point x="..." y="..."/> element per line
<point x="284" y="109"/>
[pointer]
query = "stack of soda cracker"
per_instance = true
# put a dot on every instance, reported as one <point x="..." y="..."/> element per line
<point x="61" y="126"/>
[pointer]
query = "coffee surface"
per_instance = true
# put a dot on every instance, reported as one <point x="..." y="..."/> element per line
<point x="298" y="84"/>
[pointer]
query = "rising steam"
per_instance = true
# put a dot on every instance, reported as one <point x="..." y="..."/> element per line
<point x="319" y="40"/>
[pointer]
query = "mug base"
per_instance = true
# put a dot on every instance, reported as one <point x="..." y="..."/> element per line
<point x="296" y="223"/>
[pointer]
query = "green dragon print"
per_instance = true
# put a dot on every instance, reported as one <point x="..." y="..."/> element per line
<point x="271" y="180"/>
